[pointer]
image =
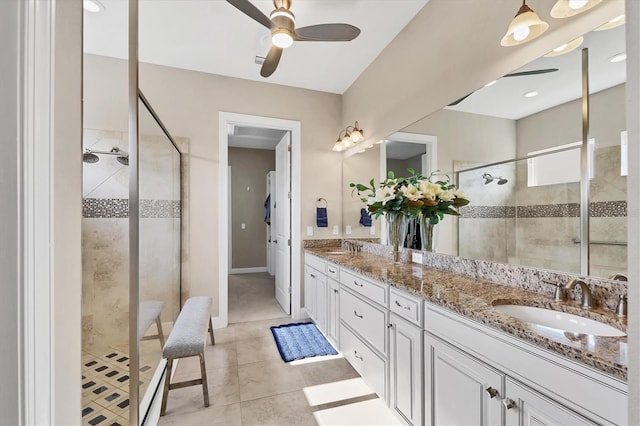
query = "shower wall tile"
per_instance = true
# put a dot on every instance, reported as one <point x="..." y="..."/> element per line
<point x="119" y="208"/>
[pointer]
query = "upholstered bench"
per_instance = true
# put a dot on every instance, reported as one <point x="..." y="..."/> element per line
<point x="149" y="313"/>
<point x="188" y="338"/>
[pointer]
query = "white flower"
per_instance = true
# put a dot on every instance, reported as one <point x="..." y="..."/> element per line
<point x="459" y="193"/>
<point x="384" y="195"/>
<point x="429" y="190"/>
<point x="411" y="192"/>
<point x="446" y="196"/>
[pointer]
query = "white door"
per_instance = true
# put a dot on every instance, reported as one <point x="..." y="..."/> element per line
<point x="282" y="210"/>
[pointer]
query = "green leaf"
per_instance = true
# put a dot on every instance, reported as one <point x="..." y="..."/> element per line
<point x="391" y="175"/>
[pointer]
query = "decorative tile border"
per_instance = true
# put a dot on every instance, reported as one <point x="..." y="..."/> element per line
<point x="597" y="208"/>
<point x="119" y="208"/>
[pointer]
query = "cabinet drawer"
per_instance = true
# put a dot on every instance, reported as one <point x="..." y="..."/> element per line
<point x="369" y="289"/>
<point x="366" y="362"/>
<point x="315" y="262"/>
<point x="332" y="271"/>
<point x="406" y="306"/>
<point x="367" y="320"/>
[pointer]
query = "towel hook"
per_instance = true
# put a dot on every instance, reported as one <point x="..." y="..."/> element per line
<point x="320" y="201"/>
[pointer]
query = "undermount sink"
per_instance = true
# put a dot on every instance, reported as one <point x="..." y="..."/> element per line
<point x="336" y="252"/>
<point x="560" y="320"/>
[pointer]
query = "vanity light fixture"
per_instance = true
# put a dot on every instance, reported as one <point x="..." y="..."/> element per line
<point x="531" y="94"/>
<point x="565" y="48"/>
<point x="618" y="58"/>
<point x="525" y="27"/>
<point x="568" y="8"/>
<point x="613" y="23"/>
<point x="93" y="6"/>
<point x="349" y="137"/>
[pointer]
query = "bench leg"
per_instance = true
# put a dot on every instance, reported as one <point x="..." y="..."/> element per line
<point x="205" y="388"/>
<point x="213" y="340"/>
<point x="160" y="333"/>
<point x="167" y="384"/>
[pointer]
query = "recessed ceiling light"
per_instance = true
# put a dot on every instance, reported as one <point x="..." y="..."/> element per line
<point x="491" y="83"/>
<point x="613" y="23"/>
<point x="93" y="6"/>
<point x="565" y="48"/>
<point x="618" y="58"/>
<point x="530" y="94"/>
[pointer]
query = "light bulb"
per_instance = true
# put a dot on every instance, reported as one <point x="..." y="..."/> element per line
<point x="282" y="39"/>
<point x="356" y="136"/>
<point x="347" y="142"/>
<point x="577" y="4"/>
<point x="521" y="32"/>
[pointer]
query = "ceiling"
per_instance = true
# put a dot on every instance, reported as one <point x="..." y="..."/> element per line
<point x="505" y="98"/>
<point x="254" y="137"/>
<point x="214" y="37"/>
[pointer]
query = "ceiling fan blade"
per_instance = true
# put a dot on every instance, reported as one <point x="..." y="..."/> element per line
<point x="271" y="61"/>
<point x="327" y="32"/>
<point x="454" y="103"/>
<point x="251" y="11"/>
<point x="532" y="72"/>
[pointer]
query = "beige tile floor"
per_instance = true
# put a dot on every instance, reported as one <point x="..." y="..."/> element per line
<point x="249" y="384"/>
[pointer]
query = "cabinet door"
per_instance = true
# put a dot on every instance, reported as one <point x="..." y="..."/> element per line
<point x="526" y="407"/>
<point x="405" y="363"/>
<point x="460" y="390"/>
<point x="334" y="311"/>
<point x="321" y="308"/>
<point x="310" y="278"/>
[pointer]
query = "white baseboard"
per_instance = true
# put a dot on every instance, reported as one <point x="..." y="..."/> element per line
<point x="248" y="270"/>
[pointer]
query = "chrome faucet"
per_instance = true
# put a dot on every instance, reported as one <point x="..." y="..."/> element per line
<point x="618" y="277"/>
<point x="587" y="302"/>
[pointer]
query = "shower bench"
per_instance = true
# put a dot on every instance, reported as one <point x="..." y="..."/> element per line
<point x="188" y="338"/>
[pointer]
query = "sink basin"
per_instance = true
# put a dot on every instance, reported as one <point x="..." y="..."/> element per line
<point x="559" y="320"/>
<point x="336" y="252"/>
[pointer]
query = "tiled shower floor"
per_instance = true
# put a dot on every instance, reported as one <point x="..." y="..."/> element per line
<point x="105" y="386"/>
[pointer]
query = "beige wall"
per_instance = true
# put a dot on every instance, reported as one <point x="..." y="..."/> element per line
<point x="249" y="168"/>
<point x="189" y="102"/>
<point x="448" y="50"/>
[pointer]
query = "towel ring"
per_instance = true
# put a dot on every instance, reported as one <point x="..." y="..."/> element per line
<point x="320" y="201"/>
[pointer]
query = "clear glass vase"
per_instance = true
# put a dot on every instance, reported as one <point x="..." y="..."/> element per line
<point x="426" y="233"/>
<point x="397" y="224"/>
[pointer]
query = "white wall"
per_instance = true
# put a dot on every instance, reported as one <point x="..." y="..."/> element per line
<point x="10" y="377"/>
<point x="188" y="102"/>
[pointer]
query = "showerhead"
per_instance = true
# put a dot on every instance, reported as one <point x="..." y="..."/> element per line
<point x="90" y="158"/>
<point x="487" y="178"/>
<point x="502" y="181"/>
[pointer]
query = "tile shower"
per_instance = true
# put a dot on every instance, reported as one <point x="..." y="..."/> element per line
<point x="539" y="226"/>
<point x="105" y="264"/>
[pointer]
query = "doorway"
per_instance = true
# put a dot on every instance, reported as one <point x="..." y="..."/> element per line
<point x="289" y="242"/>
<point x="259" y="223"/>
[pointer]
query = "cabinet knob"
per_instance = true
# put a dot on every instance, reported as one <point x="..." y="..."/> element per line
<point x="492" y="392"/>
<point x="509" y="403"/>
<point x="357" y="314"/>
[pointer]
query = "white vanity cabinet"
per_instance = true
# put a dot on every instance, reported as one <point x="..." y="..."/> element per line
<point x="333" y="319"/>
<point x="526" y="407"/>
<point x="460" y="390"/>
<point x="466" y="363"/>
<point x="315" y="290"/>
<point x="405" y="365"/>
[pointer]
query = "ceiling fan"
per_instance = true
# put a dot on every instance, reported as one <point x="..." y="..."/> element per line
<point x="282" y="22"/>
<point x="513" y="74"/>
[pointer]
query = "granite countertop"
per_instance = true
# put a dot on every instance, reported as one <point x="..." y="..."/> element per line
<point x="476" y="299"/>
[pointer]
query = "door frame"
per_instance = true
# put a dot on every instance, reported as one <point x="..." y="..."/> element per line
<point x="226" y="119"/>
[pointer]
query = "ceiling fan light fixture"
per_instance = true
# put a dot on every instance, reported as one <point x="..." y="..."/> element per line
<point x="613" y="23"/>
<point x="568" y="8"/>
<point x="282" y="38"/>
<point x="525" y="27"/>
<point x="565" y="48"/>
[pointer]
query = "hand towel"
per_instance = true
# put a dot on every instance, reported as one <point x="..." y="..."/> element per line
<point x="321" y="217"/>
<point x="365" y="217"/>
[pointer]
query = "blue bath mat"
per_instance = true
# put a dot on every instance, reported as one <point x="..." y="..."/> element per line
<point x="301" y="340"/>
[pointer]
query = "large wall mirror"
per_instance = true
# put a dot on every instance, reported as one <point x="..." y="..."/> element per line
<point x="514" y="148"/>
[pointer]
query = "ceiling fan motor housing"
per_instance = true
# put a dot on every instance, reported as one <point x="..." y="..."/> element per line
<point x="283" y="20"/>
